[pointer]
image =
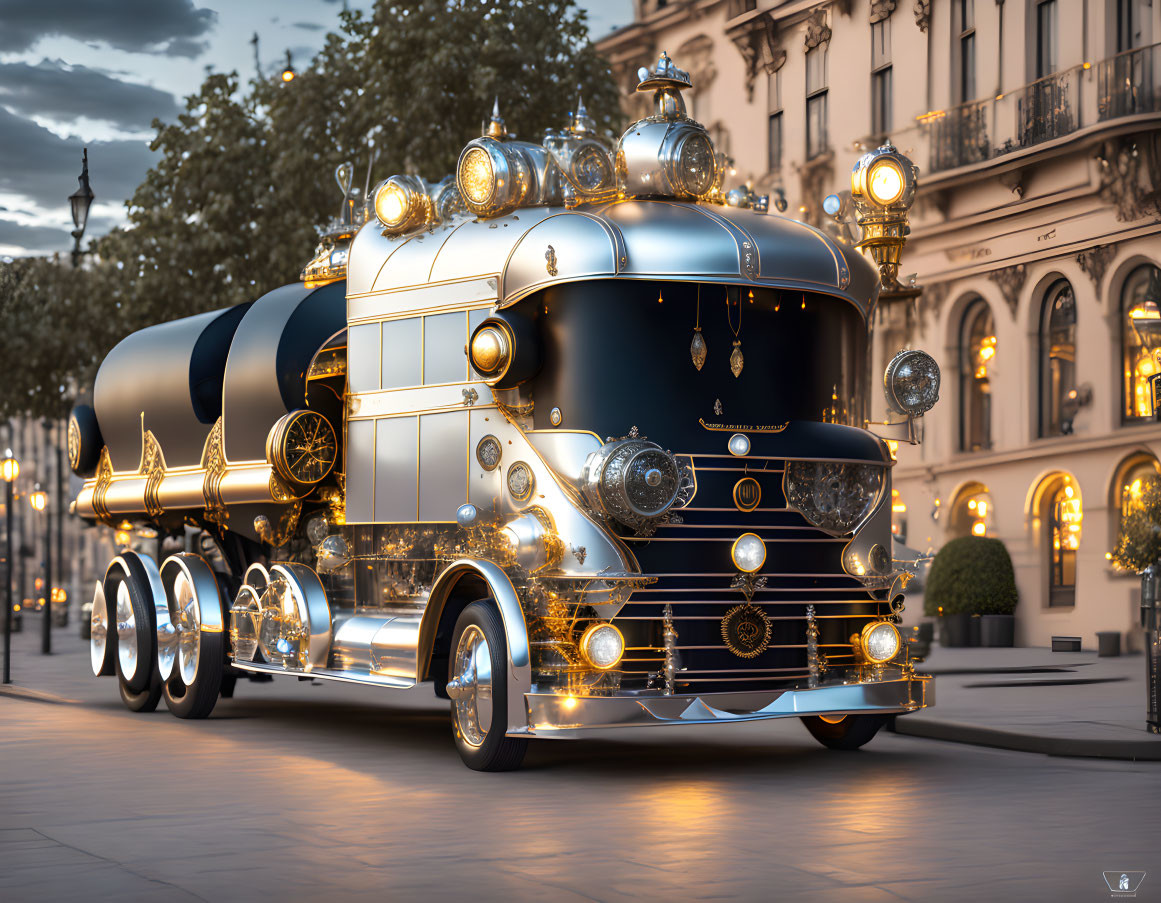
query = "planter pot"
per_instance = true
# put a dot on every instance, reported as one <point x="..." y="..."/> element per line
<point x="1108" y="643"/>
<point x="973" y="630"/>
<point x="926" y="632"/>
<point x="955" y="630"/>
<point x="998" y="630"/>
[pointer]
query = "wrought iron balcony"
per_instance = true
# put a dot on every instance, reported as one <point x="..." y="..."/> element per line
<point x="960" y="136"/>
<point x="1048" y="108"/>
<point x="1129" y="83"/>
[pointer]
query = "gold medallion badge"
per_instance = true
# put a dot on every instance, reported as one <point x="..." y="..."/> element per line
<point x="746" y="630"/>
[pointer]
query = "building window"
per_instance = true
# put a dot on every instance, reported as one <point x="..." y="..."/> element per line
<point x="977" y="357"/>
<point x="1129" y="485"/>
<point x="971" y="512"/>
<point x="898" y="516"/>
<point x="1058" y="361"/>
<point x="1045" y="38"/>
<point x="774" y="122"/>
<point x="963" y="27"/>
<point x="1060" y="512"/>
<point x="881" y="77"/>
<point x="1140" y="301"/>
<point x="817" y="141"/>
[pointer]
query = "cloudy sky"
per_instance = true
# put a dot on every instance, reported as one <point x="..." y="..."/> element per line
<point x="97" y="72"/>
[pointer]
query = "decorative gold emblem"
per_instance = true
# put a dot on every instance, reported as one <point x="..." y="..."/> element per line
<point x="74" y="437"/>
<point x="214" y="464"/>
<point x="550" y="260"/>
<point x="747" y="494"/>
<point x="746" y="630"/>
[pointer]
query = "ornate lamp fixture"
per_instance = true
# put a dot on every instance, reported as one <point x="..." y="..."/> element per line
<point x="883" y="185"/>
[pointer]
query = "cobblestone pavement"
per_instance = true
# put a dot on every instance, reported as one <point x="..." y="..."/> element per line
<point x="296" y="791"/>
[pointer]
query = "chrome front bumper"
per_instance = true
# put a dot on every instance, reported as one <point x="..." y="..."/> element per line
<point x="552" y="714"/>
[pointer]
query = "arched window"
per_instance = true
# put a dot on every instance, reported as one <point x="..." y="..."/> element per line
<point x="977" y="356"/>
<point x="1137" y="364"/>
<point x="1058" y="361"/>
<point x="1060" y="513"/>
<point x="1127" y="486"/>
<point x="971" y="512"/>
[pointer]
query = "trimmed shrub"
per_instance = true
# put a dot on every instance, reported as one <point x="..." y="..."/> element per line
<point x="971" y="575"/>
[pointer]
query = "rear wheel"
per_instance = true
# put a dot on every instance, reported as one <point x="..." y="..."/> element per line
<point x="195" y="608"/>
<point x="478" y="688"/>
<point x="136" y="649"/>
<point x="844" y="731"/>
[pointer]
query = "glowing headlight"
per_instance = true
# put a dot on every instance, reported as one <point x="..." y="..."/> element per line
<point x="878" y="642"/>
<point x="833" y="497"/>
<point x="632" y="481"/>
<point x="476" y="179"/>
<point x="748" y="552"/>
<point x="402" y="203"/>
<point x="490" y="351"/>
<point x="885" y="182"/>
<point x="602" y="645"/>
<point x="911" y="382"/>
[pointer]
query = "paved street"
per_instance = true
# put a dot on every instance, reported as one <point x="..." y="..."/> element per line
<point x="299" y="791"/>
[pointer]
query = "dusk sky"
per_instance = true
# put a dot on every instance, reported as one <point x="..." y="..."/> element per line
<point x="97" y="72"/>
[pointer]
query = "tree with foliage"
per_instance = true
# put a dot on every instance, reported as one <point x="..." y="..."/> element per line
<point x="230" y="210"/>
<point x="1139" y="538"/>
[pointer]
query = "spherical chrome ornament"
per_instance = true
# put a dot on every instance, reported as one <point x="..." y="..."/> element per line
<point x="602" y="646"/>
<point x="748" y="552"/>
<point x="911" y="382"/>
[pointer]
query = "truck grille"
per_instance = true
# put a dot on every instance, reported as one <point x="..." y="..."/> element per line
<point x="691" y="563"/>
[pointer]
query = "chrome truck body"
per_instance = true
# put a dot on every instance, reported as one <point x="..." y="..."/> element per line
<point x="578" y="437"/>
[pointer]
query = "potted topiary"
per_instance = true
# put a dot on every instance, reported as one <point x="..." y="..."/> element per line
<point x="973" y="576"/>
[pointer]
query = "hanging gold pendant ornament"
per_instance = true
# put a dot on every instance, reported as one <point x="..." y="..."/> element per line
<point x="697" y="349"/>
<point x="737" y="361"/>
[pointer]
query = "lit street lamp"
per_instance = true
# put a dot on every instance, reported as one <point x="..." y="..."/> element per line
<point x="79" y="202"/>
<point x="39" y="501"/>
<point x="9" y="470"/>
<point x="288" y="73"/>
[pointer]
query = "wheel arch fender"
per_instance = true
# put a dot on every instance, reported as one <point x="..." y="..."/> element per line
<point x="507" y="601"/>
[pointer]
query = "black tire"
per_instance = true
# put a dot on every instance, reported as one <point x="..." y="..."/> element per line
<point x="144" y="633"/>
<point x="147" y="699"/>
<point x="497" y="752"/>
<point x="852" y="732"/>
<point x="198" y="699"/>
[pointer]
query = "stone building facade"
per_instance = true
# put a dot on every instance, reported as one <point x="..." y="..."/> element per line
<point x="1036" y="125"/>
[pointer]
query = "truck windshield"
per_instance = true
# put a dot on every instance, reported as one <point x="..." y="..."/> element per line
<point x="620" y="352"/>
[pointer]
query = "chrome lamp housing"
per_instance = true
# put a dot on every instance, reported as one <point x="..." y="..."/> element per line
<point x="883" y="185"/>
<point x="834" y="497"/>
<point x="911" y="382"/>
<point x="632" y="481"/>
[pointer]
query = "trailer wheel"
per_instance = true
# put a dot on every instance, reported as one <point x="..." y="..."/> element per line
<point x="477" y="686"/>
<point x="136" y="655"/>
<point x="846" y="731"/>
<point x="195" y="608"/>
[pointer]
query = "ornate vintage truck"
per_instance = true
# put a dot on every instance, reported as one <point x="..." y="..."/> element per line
<point x="578" y="437"/>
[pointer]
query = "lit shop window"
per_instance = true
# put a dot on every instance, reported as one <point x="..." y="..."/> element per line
<point x="1064" y="516"/>
<point x="898" y="516"/>
<point x="1130" y="484"/>
<point x="978" y="355"/>
<point x="972" y="513"/>
<point x="1140" y="304"/>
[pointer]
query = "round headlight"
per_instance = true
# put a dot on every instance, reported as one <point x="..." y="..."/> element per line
<point x="748" y="552"/>
<point x="885" y="182"/>
<point x="911" y="382"/>
<point x="476" y="179"/>
<point x="490" y="351"/>
<point x="602" y="645"/>
<point x="695" y="165"/>
<point x="878" y="642"/>
<point x="391" y="205"/>
<point x="402" y="203"/>
<point x="834" y="497"/>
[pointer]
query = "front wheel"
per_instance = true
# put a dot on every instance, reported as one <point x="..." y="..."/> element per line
<point x="844" y="731"/>
<point x="478" y="688"/>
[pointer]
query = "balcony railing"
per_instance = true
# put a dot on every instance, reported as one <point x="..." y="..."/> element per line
<point x="1128" y="84"/>
<point x="960" y="136"/>
<point x="1053" y="107"/>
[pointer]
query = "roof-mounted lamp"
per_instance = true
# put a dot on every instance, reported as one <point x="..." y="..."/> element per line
<point x="883" y="185"/>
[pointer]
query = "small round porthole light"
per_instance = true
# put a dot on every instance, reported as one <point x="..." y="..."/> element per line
<point x="521" y="481"/>
<point x="739" y="445"/>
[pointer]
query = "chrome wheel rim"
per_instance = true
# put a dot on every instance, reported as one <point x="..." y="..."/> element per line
<point x="126" y="632"/>
<point x="99" y="632"/>
<point x="470" y="687"/>
<point x="188" y="626"/>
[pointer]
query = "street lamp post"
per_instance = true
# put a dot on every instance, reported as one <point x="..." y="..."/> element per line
<point x="9" y="470"/>
<point x="39" y="501"/>
<point x="79" y="203"/>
